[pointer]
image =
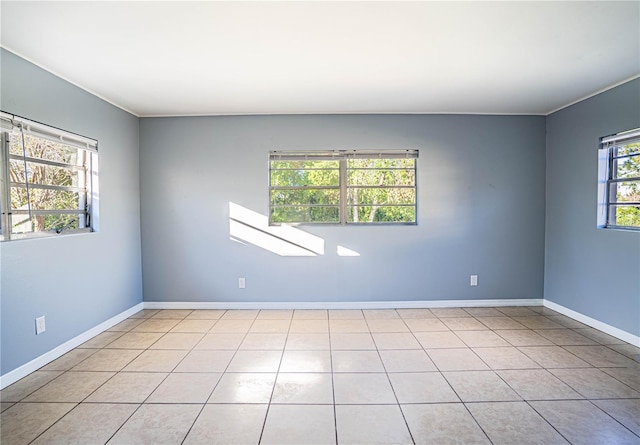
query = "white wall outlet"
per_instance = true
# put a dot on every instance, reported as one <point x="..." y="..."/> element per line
<point x="242" y="283"/>
<point x="473" y="281"/>
<point x="40" y="325"/>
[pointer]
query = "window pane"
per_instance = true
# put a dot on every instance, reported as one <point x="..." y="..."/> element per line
<point x="43" y="149"/>
<point x="300" y="165"/>
<point x="628" y="149"/>
<point x="627" y="216"/>
<point x="624" y="191"/>
<point x="15" y="143"/>
<point x="628" y="167"/>
<point x="306" y="196"/>
<point x="370" y="214"/>
<point x="379" y="196"/>
<point x="19" y="199"/>
<point x="300" y="214"/>
<point x="44" y="199"/>
<point x="22" y="224"/>
<point x="43" y="174"/>
<point x="290" y="178"/>
<point x="381" y="177"/>
<point x="381" y="163"/>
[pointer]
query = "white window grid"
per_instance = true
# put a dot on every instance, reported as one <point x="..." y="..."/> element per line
<point x="610" y="158"/>
<point x="343" y="187"/>
<point x="13" y="126"/>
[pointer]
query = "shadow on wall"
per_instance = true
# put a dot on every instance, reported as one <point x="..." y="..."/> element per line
<point x="249" y="227"/>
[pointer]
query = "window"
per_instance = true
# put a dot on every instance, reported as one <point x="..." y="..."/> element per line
<point x="343" y="187"/>
<point x="47" y="180"/>
<point x="619" y="181"/>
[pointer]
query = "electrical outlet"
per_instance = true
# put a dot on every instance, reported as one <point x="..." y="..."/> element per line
<point x="40" y="325"/>
<point x="241" y="283"/>
<point x="473" y="280"/>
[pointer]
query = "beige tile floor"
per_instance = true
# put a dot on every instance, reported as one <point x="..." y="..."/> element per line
<point x="509" y="375"/>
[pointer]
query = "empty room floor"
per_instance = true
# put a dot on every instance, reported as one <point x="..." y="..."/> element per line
<point x="507" y="375"/>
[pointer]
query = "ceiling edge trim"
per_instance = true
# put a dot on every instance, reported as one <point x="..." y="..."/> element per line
<point x="93" y="93"/>
<point x="622" y="82"/>
<point x="345" y="113"/>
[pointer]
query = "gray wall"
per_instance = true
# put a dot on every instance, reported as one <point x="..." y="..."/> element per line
<point x="76" y="281"/>
<point x="592" y="271"/>
<point x="481" y="210"/>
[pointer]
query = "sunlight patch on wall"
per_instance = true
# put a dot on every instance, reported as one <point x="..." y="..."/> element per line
<point x="343" y="251"/>
<point x="251" y="227"/>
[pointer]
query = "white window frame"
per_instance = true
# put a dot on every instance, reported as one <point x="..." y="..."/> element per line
<point x="342" y="156"/>
<point x="607" y="176"/>
<point x="86" y="169"/>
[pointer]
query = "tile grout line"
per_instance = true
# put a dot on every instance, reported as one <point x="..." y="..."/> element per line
<point x="275" y="380"/>
<point x="476" y="420"/>
<point x="449" y="383"/>
<point x="547" y="421"/>
<point x="214" y="386"/>
<point x="527" y="401"/>
<point x="614" y="419"/>
<point x="140" y="405"/>
<point x="333" y="384"/>
<point x="221" y="374"/>
<point x="89" y="395"/>
<point x="522" y="399"/>
<point x="389" y="378"/>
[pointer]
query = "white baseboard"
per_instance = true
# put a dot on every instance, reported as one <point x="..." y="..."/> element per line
<point x="37" y="363"/>
<point x="607" y="329"/>
<point x="421" y="304"/>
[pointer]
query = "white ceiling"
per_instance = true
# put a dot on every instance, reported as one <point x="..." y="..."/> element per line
<point x="197" y="58"/>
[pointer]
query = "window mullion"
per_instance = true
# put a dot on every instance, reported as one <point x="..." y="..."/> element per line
<point x="611" y="212"/>
<point x="82" y="180"/>
<point x="26" y="171"/>
<point x="343" y="191"/>
<point x="5" y="191"/>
